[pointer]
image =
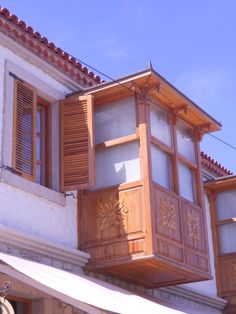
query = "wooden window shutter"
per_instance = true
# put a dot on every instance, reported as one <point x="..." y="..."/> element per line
<point x="77" y="143"/>
<point x="24" y="139"/>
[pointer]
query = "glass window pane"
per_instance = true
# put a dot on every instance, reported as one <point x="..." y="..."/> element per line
<point x="115" y="120"/>
<point x="38" y="147"/>
<point x="227" y="238"/>
<point x="161" y="167"/>
<point x="39" y="112"/>
<point x="186" y="182"/>
<point x="226" y="205"/>
<point x="116" y="165"/>
<point x="160" y="127"/>
<point x="38" y="173"/>
<point x="185" y="141"/>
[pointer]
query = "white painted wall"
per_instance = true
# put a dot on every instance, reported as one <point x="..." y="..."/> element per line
<point x="37" y="216"/>
<point x="24" y="205"/>
<point x="206" y="287"/>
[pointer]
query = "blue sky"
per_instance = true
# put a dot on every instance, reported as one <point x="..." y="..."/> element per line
<point x="191" y="43"/>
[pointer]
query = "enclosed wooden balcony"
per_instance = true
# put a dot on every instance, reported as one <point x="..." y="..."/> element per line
<point x="144" y="220"/>
<point x="222" y="198"/>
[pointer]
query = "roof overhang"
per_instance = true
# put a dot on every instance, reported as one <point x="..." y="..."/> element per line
<point x="86" y="293"/>
<point x="160" y="90"/>
<point x="220" y="184"/>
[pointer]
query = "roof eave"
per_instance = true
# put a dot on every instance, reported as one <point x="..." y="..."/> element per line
<point x="225" y="182"/>
<point x="210" y="123"/>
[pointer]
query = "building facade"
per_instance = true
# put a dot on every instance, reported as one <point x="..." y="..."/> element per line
<point x="102" y="207"/>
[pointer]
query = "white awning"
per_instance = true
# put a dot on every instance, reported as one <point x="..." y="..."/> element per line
<point x="86" y="293"/>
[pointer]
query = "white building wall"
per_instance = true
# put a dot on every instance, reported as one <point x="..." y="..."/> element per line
<point x="24" y="205"/>
<point x="37" y="216"/>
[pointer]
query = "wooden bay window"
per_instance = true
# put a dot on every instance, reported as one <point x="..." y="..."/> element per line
<point x="146" y="208"/>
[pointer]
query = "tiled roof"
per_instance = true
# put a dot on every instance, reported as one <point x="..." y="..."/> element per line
<point x="209" y="164"/>
<point x="24" y="34"/>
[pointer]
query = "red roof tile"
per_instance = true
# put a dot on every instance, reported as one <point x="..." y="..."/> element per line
<point x="36" y="43"/>
<point x="209" y="164"/>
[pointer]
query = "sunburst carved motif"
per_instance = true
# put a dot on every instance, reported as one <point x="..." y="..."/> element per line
<point x="111" y="214"/>
<point x="167" y="211"/>
<point x="193" y="226"/>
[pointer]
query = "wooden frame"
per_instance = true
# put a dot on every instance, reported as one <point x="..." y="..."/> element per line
<point x="15" y="156"/>
<point x="141" y="231"/>
<point x="121" y="140"/>
<point x="46" y="136"/>
<point x="46" y="156"/>
<point x="175" y="157"/>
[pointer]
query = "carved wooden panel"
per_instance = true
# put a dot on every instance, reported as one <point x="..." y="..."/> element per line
<point x="113" y="223"/>
<point x="194" y="236"/>
<point x="167" y="215"/>
<point x="116" y="235"/>
<point x="193" y="227"/>
<point x="168" y="225"/>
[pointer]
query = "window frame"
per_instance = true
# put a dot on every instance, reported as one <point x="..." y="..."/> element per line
<point x="46" y="173"/>
<point x="195" y="168"/>
<point x="222" y="222"/>
<point x="46" y="177"/>
<point x="166" y="149"/>
<point x="143" y="111"/>
<point x="175" y="156"/>
<point x="119" y="142"/>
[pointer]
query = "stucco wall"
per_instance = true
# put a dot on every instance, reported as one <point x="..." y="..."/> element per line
<point x="37" y="216"/>
<point x="24" y="205"/>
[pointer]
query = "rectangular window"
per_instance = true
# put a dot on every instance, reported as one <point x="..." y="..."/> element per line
<point x="161" y="150"/>
<point x="173" y="153"/>
<point x="186" y="182"/>
<point x="226" y="220"/>
<point x="31" y="140"/>
<point x="226" y="205"/>
<point x="161" y="167"/>
<point x="160" y="127"/>
<point x="117" y="165"/>
<point x="227" y="233"/>
<point x="117" y="144"/>
<point x="114" y="120"/>
<point x="185" y="141"/>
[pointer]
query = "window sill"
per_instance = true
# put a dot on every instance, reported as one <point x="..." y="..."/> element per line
<point x="33" y="188"/>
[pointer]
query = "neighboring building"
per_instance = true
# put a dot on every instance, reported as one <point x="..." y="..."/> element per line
<point x="101" y="188"/>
